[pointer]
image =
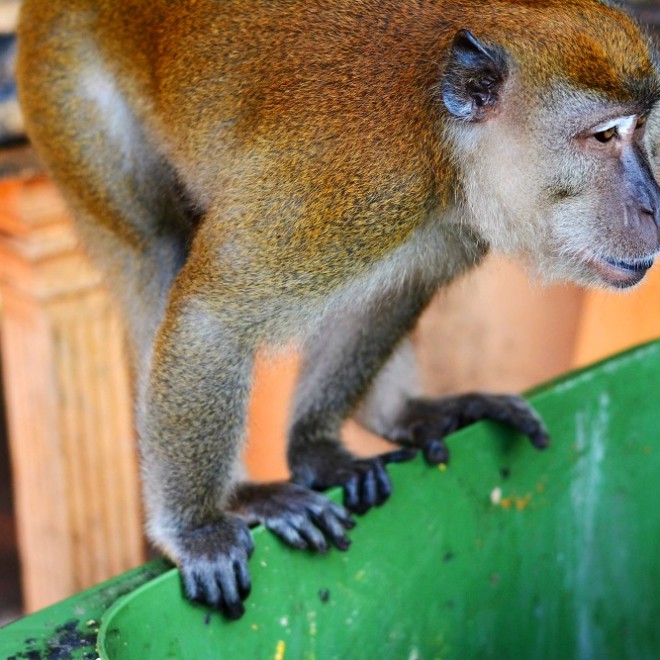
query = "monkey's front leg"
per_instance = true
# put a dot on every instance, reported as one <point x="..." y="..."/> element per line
<point x="191" y="426"/>
<point x="190" y="418"/>
<point x="425" y="423"/>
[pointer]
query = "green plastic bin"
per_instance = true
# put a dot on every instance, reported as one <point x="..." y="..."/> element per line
<point x="507" y="553"/>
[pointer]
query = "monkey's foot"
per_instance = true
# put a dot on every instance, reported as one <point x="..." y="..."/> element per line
<point x="425" y="423"/>
<point x="213" y="561"/>
<point x="299" y="516"/>
<point x="322" y="465"/>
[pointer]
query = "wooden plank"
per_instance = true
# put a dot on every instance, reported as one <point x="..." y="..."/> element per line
<point x="68" y="405"/>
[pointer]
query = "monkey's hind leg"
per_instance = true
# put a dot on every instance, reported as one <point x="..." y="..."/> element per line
<point x="338" y="369"/>
<point x="425" y="423"/>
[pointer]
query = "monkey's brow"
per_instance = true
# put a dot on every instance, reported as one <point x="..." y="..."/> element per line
<point x="647" y="93"/>
<point x="603" y="108"/>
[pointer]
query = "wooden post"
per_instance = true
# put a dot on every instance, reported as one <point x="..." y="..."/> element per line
<point x="68" y="403"/>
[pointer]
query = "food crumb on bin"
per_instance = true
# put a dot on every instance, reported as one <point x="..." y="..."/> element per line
<point x="496" y="496"/>
<point x="506" y="503"/>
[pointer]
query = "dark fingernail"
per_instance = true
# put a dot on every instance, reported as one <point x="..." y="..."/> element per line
<point x="541" y="441"/>
<point x="399" y="456"/>
<point x="234" y="611"/>
<point x="342" y="543"/>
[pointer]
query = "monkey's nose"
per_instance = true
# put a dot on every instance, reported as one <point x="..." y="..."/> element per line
<point x="649" y="201"/>
<point x="647" y="209"/>
<point x="644" y="227"/>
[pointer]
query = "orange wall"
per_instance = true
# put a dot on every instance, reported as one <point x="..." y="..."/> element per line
<point x="491" y="330"/>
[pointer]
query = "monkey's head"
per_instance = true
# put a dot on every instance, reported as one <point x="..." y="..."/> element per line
<point x="552" y="119"/>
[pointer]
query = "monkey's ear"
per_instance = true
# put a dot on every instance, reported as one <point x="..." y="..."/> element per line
<point x="473" y="78"/>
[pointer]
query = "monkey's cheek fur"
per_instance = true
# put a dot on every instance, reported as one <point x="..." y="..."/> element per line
<point x="619" y="274"/>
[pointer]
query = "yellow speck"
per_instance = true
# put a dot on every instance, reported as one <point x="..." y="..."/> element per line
<point x="280" y="650"/>
<point x="360" y="575"/>
<point x="522" y="502"/>
<point x="506" y="502"/>
<point x="254" y="626"/>
<point x="442" y="467"/>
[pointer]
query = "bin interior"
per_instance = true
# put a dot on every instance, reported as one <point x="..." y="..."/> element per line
<point x="507" y="553"/>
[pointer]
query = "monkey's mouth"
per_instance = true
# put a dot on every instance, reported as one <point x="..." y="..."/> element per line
<point x="619" y="273"/>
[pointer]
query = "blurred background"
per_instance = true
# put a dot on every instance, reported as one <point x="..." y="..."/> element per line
<point x="70" y="511"/>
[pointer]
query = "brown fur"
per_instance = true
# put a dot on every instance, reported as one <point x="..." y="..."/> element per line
<point x="248" y="172"/>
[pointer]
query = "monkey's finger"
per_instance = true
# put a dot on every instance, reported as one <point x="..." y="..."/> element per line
<point x="511" y="410"/>
<point x="436" y="451"/>
<point x="334" y="528"/>
<point x="528" y="422"/>
<point x="246" y="541"/>
<point x="232" y="609"/>
<point x="313" y="536"/>
<point x="231" y="604"/>
<point x="383" y="482"/>
<point x="375" y="482"/>
<point x="338" y="512"/>
<point x="537" y="434"/>
<point x="398" y="455"/>
<point x="216" y="587"/>
<point x="320" y="508"/>
<point x="287" y="532"/>
<point x="243" y="579"/>
<point x="352" y="500"/>
<point x="368" y="488"/>
<point x="194" y="587"/>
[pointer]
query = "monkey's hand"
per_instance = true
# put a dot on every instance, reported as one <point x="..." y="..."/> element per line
<point x="213" y="561"/>
<point x="300" y="517"/>
<point x="322" y="465"/>
<point x="425" y="424"/>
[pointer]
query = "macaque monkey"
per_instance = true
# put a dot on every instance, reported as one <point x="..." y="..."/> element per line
<point x="249" y="174"/>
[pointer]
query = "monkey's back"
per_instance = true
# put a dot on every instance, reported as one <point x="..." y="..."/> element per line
<point x="316" y="119"/>
<point x="316" y="127"/>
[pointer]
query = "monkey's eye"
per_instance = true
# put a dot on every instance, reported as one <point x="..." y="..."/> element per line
<point x="606" y="135"/>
